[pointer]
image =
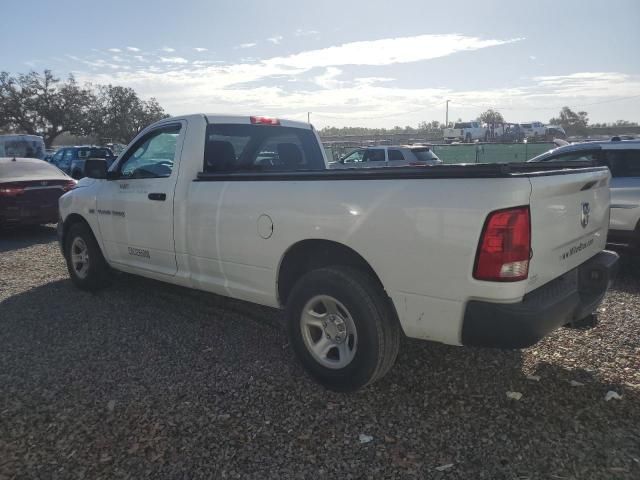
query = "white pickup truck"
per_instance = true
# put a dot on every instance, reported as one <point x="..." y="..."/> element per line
<point x="485" y="255"/>
<point x="466" y="132"/>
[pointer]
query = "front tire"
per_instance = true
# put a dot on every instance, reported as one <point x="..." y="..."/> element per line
<point x="86" y="265"/>
<point x="342" y="327"/>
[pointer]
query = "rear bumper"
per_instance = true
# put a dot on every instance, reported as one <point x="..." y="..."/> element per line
<point x="569" y="298"/>
<point x="624" y="239"/>
<point x="31" y="216"/>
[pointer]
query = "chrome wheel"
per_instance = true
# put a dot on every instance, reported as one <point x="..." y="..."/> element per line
<point x="328" y="332"/>
<point x="80" y="257"/>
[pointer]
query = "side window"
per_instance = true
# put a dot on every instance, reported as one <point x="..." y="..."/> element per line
<point x="66" y="158"/>
<point x="395" y="155"/>
<point x="354" y="157"/>
<point x="374" y="155"/>
<point x="258" y="148"/>
<point x="57" y="157"/>
<point x="152" y="156"/>
<point x="623" y="163"/>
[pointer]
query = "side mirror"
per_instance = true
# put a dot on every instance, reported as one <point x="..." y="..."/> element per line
<point x="96" y="168"/>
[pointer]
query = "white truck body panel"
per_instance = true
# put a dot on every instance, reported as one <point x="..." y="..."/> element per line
<point x="465" y="131"/>
<point x="420" y="236"/>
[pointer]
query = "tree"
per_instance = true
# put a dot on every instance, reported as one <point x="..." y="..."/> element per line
<point x="491" y="117"/>
<point x="119" y="114"/>
<point x="40" y="104"/>
<point x="571" y="121"/>
<point x="625" y="123"/>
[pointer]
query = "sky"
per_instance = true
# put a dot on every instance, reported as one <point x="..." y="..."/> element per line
<point x="350" y="63"/>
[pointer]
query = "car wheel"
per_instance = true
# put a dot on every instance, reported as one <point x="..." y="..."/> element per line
<point x="86" y="265"/>
<point x="342" y="327"/>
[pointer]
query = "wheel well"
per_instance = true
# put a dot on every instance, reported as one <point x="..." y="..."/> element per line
<point x="71" y="220"/>
<point x="309" y="255"/>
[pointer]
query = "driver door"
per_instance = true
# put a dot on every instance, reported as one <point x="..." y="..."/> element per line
<point x="135" y="206"/>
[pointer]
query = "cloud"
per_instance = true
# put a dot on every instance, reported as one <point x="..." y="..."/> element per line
<point x="173" y="60"/>
<point x="387" y="51"/>
<point x="168" y="49"/>
<point x="133" y="49"/>
<point x="328" y="78"/>
<point x="588" y="84"/>
<point x="114" y="50"/>
<point x="140" y="58"/>
<point x="246" y="45"/>
<point x="275" y="39"/>
<point x="322" y="83"/>
<point x="200" y="49"/>
<point x="304" y="33"/>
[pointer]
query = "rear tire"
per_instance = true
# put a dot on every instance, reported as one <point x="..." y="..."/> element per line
<point x="342" y="327"/>
<point x="86" y="265"/>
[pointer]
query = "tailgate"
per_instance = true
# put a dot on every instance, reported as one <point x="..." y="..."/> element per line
<point x="569" y="221"/>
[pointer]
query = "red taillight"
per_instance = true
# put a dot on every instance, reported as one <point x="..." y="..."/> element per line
<point x="264" y="121"/>
<point x="11" y="190"/>
<point x="505" y="246"/>
<point x="70" y="185"/>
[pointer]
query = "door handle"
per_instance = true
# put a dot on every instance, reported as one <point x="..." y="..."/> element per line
<point x="158" y="196"/>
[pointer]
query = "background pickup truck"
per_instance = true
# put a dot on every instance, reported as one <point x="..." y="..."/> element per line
<point x="466" y="132"/>
<point x="485" y="255"/>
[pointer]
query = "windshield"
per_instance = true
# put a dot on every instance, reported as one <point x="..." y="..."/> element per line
<point x="462" y="125"/>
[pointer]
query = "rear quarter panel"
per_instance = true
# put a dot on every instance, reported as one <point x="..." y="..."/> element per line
<point x="420" y="237"/>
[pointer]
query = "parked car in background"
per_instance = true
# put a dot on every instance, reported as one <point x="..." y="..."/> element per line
<point x="623" y="159"/>
<point x="71" y="160"/>
<point x="25" y="146"/>
<point x="482" y="255"/>
<point x="389" y="156"/>
<point x="534" y="130"/>
<point x="555" y="131"/>
<point x="505" y="132"/>
<point x="466" y="132"/>
<point x="29" y="191"/>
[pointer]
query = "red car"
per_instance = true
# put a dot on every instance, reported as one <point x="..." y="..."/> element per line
<point x="29" y="191"/>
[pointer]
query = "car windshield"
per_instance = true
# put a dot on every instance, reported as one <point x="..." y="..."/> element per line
<point x="462" y="125"/>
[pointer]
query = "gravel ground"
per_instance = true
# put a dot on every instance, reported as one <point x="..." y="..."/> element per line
<point x="146" y="380"/>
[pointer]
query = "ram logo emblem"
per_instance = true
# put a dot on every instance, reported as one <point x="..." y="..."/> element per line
<point x="584" y="216"/>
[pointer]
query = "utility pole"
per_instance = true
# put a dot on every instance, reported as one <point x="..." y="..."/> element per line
<point x="446" y="120"/>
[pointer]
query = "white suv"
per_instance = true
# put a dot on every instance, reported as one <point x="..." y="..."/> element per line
<point x="623" y="159"/>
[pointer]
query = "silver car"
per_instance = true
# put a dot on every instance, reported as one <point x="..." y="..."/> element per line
<point x="389" y="156"/>
<point x="623" y="159"/>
